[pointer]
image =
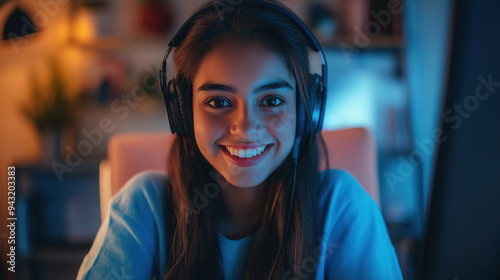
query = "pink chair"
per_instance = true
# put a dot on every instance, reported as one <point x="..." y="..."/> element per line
<point x="351" y="149"/>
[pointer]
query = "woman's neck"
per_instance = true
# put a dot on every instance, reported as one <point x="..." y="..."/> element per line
<point x="243" y="208"/>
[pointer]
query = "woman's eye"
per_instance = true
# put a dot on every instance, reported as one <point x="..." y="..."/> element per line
<point x="218" y="103"/>
<point x="272" y="101"/>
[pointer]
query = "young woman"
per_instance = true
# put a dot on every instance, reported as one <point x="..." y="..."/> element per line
<point x="222" y="212"/>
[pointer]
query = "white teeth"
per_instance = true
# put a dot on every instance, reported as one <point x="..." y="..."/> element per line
<point x="247" y="153"/>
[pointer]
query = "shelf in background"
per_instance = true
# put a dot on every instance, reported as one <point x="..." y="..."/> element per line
<point x="113" y="44"/>
<point x="378" y="42"/>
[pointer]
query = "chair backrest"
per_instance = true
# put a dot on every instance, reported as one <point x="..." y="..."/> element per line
<point x="351" y="149"/>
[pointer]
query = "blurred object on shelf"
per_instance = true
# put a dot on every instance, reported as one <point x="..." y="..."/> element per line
<point x="18" y="23"/>
<point x="322" y="22"/>
<point x="93" y="20"/>
<point x="84" y="29"/>
<point x="105" y="78"/>
<point x="365" y="24"/>
<point x="353" y="15"/>
<point x="114" y="79"/>
<point x="151" y="86"/>
<point x="51" y="111"/>
<point x="392" y="113"/>
<point x="110" y="25"/>
<point x="93" y="3"/>
<point x="155" y="17"/>
<point x="386" y="17"/>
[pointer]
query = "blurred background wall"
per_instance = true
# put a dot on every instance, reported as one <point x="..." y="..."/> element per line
<point x="428" y="34"/>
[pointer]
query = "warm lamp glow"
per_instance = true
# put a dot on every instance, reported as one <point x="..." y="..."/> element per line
<point x="83" y="27"/>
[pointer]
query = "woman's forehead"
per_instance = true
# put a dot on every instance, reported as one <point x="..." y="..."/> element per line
<point x="242" y="62"/>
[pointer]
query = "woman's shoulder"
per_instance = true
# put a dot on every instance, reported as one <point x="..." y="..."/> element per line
<point x="143" y="191"/>
<point x="132" y="236"/>
<point x="341" y="187"/>
<point x="341" y="198"/>
<point x="353" y="229"/>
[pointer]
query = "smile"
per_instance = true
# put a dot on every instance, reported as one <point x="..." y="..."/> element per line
<point x="246" y="156"/>
<point x="246" y="153"/>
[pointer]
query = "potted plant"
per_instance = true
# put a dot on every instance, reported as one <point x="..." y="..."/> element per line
<point x="51" y="111"/>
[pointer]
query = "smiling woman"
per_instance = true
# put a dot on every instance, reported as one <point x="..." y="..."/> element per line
<point x="247" y="110"/>
<point x="240" y="90"/>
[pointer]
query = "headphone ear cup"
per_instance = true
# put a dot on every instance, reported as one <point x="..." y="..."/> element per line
<point x="173" y="111"/>
<point x="301" y="117"/>
<point x="317" y="102"/>
<point x="313" y="101"/>
<point x="320" y="104"/>
<point x="185" y="116"/>
<point x="166" y="90"/>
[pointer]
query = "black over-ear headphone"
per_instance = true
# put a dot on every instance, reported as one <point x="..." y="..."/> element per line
<point x="179" y="109"/>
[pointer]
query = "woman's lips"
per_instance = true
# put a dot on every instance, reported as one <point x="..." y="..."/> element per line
<point x="245" y="161"/>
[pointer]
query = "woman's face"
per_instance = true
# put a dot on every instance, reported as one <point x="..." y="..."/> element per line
<point x="244" y="111"/>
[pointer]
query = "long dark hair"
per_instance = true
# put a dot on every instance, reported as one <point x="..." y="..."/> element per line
<point x="193" y="251"/>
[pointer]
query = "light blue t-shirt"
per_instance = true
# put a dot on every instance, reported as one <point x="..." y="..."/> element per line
<point x="354" y="243"/>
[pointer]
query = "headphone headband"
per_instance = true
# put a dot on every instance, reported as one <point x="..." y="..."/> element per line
<point x="318" y="90"/>
<point x="186" y="27"/>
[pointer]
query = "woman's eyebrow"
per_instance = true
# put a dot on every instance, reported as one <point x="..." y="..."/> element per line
<point x="226" y="88"/>
<point x="216" y="87"/>
<point x="274" y="85"/>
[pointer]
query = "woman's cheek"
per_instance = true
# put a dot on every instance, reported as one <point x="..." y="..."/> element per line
<point x="208" y="127"/>
<point x="282" y="123"/>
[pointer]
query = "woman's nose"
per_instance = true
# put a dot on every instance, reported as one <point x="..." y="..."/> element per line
<point x="246" y="124"/>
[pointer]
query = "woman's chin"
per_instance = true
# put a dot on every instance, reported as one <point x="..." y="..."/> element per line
<point x="244" y="181"/>
<point x="246" y="184"/>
